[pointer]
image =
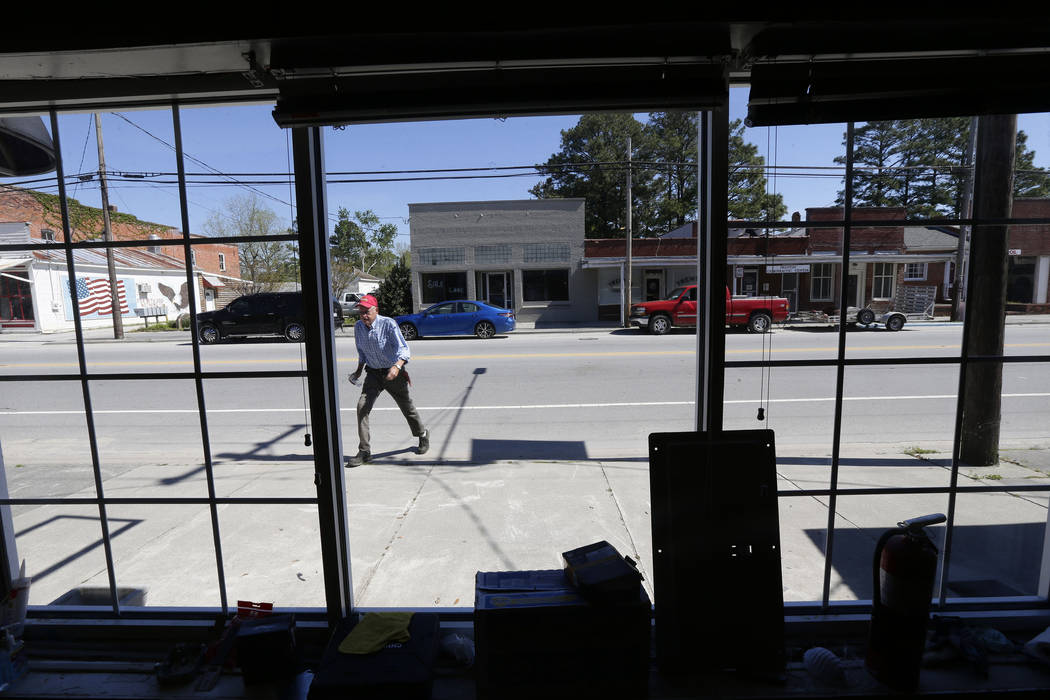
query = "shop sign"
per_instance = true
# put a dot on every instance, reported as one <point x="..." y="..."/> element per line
<point x="787" y="268"/>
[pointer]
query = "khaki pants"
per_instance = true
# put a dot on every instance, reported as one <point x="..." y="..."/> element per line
<point x="375" y="384"/>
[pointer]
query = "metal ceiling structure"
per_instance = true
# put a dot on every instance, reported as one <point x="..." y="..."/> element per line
<point x="801" y="70"/>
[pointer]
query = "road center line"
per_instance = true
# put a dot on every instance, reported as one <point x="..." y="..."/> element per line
<point x="516" y="407"/>
<point x="210" y="362"/>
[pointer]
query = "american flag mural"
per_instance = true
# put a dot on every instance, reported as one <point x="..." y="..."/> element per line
<point x="94" y="296"/>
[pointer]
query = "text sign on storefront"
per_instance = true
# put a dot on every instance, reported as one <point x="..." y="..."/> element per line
<point x="787" y="268"/>
<point x="1014" y="251"/>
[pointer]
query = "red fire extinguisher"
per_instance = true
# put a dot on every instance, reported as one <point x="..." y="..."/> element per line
<point x="904" y="569"/>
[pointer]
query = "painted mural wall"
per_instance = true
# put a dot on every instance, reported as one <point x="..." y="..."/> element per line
<point x="158" y="291"/>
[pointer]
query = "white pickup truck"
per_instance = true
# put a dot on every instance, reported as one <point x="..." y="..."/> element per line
<point x="349" y="300"/>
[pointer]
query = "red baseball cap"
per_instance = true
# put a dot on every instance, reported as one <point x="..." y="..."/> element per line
<point x="367" y="301"/>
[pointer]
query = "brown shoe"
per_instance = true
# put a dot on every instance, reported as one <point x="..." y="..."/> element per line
<point x="360" y="458"/>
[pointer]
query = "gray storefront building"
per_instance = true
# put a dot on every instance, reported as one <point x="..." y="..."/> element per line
<point x="525" y="255"/>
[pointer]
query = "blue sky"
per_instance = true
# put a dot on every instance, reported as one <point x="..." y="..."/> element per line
<point x="244" y="139"/>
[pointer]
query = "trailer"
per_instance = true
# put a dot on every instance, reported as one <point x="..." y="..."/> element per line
<point x="910" y="304"/>
<point x="890" y="320"/>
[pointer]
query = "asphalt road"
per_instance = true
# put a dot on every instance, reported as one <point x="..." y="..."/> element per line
<point x="539" y="444"/>
<point x="529" y="396"/>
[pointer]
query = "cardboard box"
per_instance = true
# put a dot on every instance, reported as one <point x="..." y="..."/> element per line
<point x="536" y="636"/>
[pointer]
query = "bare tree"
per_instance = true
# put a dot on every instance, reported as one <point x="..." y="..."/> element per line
<point x="265" y="265"/>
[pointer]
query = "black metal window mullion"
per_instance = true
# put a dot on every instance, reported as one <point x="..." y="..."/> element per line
<point x="840" y="368"/>
<point x="198" y="382"/>
<point x="107" y="544"/>
<point x="322" y="374"/>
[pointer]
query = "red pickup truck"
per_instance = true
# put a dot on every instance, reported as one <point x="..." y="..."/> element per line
<point x="679" y="309"/>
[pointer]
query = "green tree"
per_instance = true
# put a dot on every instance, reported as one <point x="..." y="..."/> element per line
<point x="922" y="166"/>
<point x="362" y="241"/>
<point x="395" y="293"/>
<point x="748" y="198"/>
<point x="670" y="146"/>
<point x="592" y="164"/>
<point x="265" y="265"/>
<point x="1029" y="181"/>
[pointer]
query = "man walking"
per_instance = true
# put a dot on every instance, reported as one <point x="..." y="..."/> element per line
<point x="382" y="352"/>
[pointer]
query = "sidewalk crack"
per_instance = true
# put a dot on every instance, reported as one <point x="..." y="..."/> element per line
<point x="623" y="520"/>
<point x="360" y="592"/>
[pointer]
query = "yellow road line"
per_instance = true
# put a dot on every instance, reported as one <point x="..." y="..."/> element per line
<point x="508" y="356"/>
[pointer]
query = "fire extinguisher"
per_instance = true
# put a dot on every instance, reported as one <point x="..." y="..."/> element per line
<point x="904" y="568"/>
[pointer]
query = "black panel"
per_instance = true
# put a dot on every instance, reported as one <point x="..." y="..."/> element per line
<point x="498" y="93"/>
<point x="716" y="551"/>
<point x="842" y="91"/>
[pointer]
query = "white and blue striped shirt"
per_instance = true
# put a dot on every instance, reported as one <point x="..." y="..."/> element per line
<point x="382" y="345"/>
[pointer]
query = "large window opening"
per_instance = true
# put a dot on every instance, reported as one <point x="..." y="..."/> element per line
<point x="536" y="446"/>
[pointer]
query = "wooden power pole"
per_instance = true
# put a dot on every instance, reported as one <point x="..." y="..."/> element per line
<point x="986" y="304"/>
<point x="630" y="261"/>
<point x="107" y="234"/>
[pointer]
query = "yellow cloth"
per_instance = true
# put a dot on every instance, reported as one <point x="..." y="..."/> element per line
<point x="375" y="631"/>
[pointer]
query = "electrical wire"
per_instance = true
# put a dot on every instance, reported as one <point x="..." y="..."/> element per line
<point x="83" y="154"/>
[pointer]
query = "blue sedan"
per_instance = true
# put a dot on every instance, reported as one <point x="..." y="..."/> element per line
<point x="457" y="318"/>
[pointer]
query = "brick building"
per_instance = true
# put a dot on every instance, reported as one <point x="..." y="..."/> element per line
<point x="41" y="211"/>
<point x="1028" y="277"/>
<point x="520" y="254"/>
<point x="153" y="276"/>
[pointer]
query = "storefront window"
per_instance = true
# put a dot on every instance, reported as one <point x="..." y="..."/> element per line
<point x="545" y="285"/>
<point x="438" y="287"/>
<point x="16" y="302"/>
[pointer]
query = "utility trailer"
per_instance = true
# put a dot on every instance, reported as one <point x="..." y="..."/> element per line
<point x="910" y="304"/>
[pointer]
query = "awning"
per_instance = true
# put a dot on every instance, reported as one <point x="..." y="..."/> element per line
<point x="6" y="263"/>
<point x="210" y="281"/>
<point x="755" y="260"/>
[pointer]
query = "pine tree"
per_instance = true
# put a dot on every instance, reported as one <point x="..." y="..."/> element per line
<point x="921" y="165"/>
<point x="395" y="293"/>
<point x="664" y="181"/>
<point x="592" y="164"/>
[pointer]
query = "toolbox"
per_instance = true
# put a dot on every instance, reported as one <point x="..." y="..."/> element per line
<point x="537" y="636"/>
<point x="398" y="671"/>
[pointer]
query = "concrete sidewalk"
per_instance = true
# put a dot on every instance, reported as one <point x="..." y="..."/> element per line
<point x="419" y="529"/>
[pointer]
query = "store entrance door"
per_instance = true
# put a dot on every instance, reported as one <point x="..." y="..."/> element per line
<point x="496" y="289"/>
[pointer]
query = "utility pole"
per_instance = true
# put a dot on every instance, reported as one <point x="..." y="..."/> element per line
<point x="107" y="235"/>
<point x="959" y="291"/>
<point x="627" y="293"/>
<point x="986" y="306"/>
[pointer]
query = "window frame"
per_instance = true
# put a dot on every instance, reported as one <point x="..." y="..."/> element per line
<point x="188" y="244"/>
<point x="883" y="277"/>
<point x="908" y="277"/>
<point x="546" y="286"/>
<point x="828" y="278"/>
<point x="423" y="288"/>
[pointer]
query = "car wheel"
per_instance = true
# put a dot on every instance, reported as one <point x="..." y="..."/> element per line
<point x="659" y="324"/>
<point x="409" y="331"/>
<point x="208" y="334"/>
<point x="759" y="323"/>
<point x="894" y="323"/>
<point x="865" y="317"/>
<point x="295" y="332"/>
<point x="484" y="329"/>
